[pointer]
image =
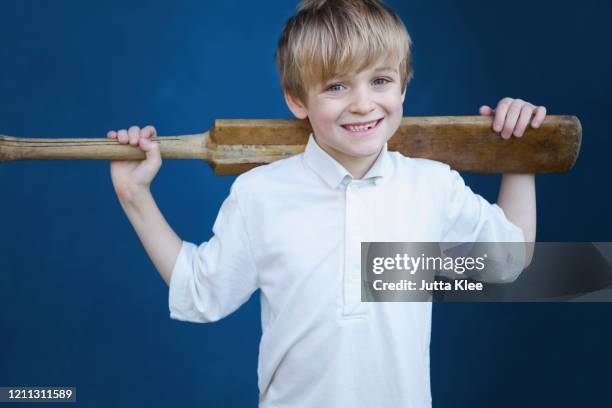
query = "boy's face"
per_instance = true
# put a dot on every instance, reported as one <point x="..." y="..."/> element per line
<point x="353" y="116"/>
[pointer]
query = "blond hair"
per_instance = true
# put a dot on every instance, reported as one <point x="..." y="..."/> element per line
<point x="329" y="38"/>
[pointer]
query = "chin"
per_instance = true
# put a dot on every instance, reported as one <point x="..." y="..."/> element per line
<point x="367" y="151"/>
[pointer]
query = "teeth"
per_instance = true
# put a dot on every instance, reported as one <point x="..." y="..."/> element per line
<point x="361" y="128"/>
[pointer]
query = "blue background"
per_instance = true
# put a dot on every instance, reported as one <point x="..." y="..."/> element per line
<point x="81" y="304"/>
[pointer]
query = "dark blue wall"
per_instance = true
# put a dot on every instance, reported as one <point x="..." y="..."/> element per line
<point x="81" y="304"/>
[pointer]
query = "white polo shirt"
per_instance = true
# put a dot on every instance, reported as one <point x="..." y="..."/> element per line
<point x="293" y="229"/>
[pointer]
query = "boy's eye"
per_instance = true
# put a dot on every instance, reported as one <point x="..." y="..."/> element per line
<point x="381" y="81"/>
<point x="335" y="87"/>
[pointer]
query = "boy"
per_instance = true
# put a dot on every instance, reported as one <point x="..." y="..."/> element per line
<point x="293" y="228"/>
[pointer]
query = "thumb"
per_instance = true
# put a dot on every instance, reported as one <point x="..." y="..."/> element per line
<point x="151" y="150"/>
<point x="486" y="110"/>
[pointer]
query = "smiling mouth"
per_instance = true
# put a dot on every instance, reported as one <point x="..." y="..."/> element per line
<point x="362" y="126"/>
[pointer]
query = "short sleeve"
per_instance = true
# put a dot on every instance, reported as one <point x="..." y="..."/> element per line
<point x="471" y="218"/>
<point x="212" y="280"/>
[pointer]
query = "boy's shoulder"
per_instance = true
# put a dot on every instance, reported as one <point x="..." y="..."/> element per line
<point x="418" y="166"/>
<point x="277" y="174"/>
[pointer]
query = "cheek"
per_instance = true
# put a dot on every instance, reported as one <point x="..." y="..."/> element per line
<point x="396" y="111"/>
<point x="397" y="107"/>
<point x="397" y="101"/>
<point x="325" y="116"/>
<point x="391" y="101"/>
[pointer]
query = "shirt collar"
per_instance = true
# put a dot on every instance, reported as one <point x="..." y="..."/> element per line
<point x="333" y="173"/>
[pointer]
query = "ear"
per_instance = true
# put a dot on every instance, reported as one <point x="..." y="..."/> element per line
<point x="404" y="93"/>
<point x="295" y="106"/>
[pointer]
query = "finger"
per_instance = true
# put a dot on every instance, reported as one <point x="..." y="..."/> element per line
<point x="134" y="135"/>
<point x="486" y="110"/>
<point x="512" y="118"/>
<point x="540" y="114"/>
<point x="111" y="134"/>
<point x="500" y="114"/>
<point x="123" y="136"/>
<point x="148" y="132"/>
<point x="523" y="120"/>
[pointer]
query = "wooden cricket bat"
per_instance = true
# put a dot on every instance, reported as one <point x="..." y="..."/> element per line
<point x="466" y="143"/>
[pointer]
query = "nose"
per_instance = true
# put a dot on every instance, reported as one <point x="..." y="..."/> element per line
<point x="361" y="101"/>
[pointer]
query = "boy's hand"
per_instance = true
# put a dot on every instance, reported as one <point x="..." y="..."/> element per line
<point x="512" y="116"/>
<point x="134" y="176"/>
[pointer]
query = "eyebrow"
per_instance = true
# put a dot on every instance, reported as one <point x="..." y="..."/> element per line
<point x="337" y="77"/>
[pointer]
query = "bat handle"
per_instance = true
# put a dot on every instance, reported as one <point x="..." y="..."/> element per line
<point x="171" y="147"/>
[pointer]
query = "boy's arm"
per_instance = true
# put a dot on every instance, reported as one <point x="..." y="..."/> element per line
<point x="158" y="238"/>
<point x="132" y="181"/>
<point x="517" y="195"/>
<point x="207" y="282"/>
